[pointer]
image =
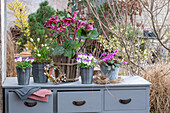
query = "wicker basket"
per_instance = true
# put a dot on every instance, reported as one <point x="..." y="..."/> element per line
<point x="69" y="67"/>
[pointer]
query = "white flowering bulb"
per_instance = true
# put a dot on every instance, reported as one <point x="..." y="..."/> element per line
<point x="39" y="55"/>
<point x="31" y="40"/>
<point x="38" y="39"/>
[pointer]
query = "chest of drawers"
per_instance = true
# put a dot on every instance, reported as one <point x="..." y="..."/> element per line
<point x="130" y="96"/>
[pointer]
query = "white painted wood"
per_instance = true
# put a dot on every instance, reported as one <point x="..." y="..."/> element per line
<point x="11" y="82"/>
<point x="3" y="38"/>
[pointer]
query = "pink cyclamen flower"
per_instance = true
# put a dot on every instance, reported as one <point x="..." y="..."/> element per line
<point x="89" y="27"/>
<point x="99" y="63"/>
<point x="113" y="54"/>
<point x="104" y="59"/>
<point x="108" y="56"/>
<point x="115" y="51"/>
<point x="124" y="62"/>
<point x="103" y="54"/>
<point x="80" y="25"/>
<point x="60" y="29"/>
<point x="75" y="13"/>
<point x="68" y="21"/>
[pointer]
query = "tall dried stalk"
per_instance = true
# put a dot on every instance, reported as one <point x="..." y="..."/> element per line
<point x="159" y="76"/>
<point x="124" y="15"/>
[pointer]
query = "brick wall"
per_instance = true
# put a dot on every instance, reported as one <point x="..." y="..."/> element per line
<point x="33" y="5"/>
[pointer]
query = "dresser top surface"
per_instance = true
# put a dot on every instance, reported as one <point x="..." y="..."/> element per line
<point x="11" y="82"/>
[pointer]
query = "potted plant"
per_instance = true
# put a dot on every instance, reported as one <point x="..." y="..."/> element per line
<point x="23" y="67"/>
<point x="86" y="64"/>
<point x="42" y="56"/>
<point x="110" y="64"/>
<point x="70" y="33"/>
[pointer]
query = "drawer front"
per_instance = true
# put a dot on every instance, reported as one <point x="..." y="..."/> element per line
<point x="126" y="100"/>
<point x="84" y="101"/>
<point x="16" y="105"/>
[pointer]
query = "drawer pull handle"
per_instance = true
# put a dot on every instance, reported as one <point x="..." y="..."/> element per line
<point x="79" y="103"/>
<point x="125" y="101"/>
<point x="30" y="104"/>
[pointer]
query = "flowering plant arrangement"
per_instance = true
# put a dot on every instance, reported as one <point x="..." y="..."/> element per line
<point x="41" y="52"/>
<point x="23" y="63"/>
<point x="112" y="60"/>
<point x="86" y="61"/>
<point x="65" y="28"/>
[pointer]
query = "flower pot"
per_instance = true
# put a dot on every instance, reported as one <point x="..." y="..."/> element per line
<point x="38" y="73"/>
<point x="112" y="74"/>
<point x="23" y="77"/>
<point x="86" y="75"/>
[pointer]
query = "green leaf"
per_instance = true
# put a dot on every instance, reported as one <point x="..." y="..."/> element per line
<point x="68" y="52"/>
<point x="81" y="34"/>
<point x="113" y="67"/>
<point x="66" y="31"/>
<point x="93" y="34"/>
<point x="108" y="68"/>
<point x="78" y="45"/>
<point x="59" y="50"/>
<point x="117" y="65"/>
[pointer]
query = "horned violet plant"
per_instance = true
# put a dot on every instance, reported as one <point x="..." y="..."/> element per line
<point x="23" y="63"/>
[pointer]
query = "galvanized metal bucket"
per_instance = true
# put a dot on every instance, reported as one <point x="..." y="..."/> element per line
<point x="112" y="74"/>
<point x="23" y="77"/>
<point x="86" y="75"/>
<point x="38" y="73"/>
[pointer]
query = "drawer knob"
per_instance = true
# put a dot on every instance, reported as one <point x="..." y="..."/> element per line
<point x="30" y="104"/>
<point x="125" y="101"/>
<point x="79" y="103"/>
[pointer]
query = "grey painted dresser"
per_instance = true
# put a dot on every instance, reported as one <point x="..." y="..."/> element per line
<point x="130" y="96"/>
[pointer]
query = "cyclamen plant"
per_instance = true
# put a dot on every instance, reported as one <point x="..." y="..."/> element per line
<point x="23" y="63"/>
<point x="86" y="61"/>
<point x="112" y="60"/>
<point x="65" y="27"/>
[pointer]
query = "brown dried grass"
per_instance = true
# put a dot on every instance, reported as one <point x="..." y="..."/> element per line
<point x="159" y="76"/>
<point x="10" y="66"/>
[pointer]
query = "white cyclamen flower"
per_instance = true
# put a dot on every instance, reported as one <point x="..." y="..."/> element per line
<point x="31" y="40"/>
<point x="38" y="39"/>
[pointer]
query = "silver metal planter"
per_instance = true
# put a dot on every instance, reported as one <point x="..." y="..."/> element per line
<point x="86" y="75"/>
<point x="23" y="77"/>
<point x="38" y="73"/>
<point x="112" y="74"/>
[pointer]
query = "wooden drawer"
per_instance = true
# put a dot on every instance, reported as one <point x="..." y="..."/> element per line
<point x="16" y="105"/>
<point x="127" y="100"/>
<point x="83" y="101"/>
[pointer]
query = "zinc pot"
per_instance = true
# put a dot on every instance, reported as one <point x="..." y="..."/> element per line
<point x="86" y="75"/>
<point x="112" y="74"/>
<point x="23" y="77"/>
<point x="38" y="73"/>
